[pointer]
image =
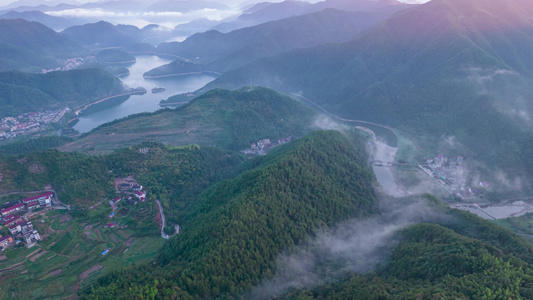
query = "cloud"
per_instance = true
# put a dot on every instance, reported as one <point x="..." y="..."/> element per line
<point x="354" y="246"/>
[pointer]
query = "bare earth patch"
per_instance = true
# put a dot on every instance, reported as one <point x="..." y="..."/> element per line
<point x="118" y="181"/>
<point x="91" y="270"/>
<point x="65" y="218"/>
<point x="3" y="257"/>
<point x="33" y="253"/>
<point x="36" y="169"/>
<point x="56" y="272"/>
<point x="35" y="257"/>
<point x="113" y="238"/>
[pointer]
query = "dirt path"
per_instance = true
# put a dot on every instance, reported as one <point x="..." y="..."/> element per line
<point x="13" y="267"/>
<point x="91" y="270"/>
<point x="27" y="256"/>
<point x="35" y="257"/>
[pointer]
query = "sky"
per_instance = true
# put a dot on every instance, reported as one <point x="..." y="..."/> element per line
<point x="166" y="20"/>
<point x="227" y="2"/>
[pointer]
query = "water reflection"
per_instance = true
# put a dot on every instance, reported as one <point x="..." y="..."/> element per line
<point x="142" y="103"/>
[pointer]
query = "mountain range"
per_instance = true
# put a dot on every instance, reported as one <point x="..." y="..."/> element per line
<point x="221" y="52"/>
<point x="308" y="220"/>
<point x="31" y="46"/>
<point x="55" y="23"/>
<point x="231" y="120"/>
<point x="447" y="68"/>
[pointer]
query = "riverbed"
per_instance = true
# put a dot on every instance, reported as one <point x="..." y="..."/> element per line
<point x="149" y="102"/>
<point x="384" y="175"/>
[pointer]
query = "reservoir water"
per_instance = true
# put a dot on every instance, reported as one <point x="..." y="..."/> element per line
<point x="111" y="110"/>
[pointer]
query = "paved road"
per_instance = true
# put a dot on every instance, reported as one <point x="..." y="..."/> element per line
<point x="56" y="201"/>
<point x="163" y="222"/>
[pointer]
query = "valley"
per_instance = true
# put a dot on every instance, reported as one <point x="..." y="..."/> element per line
<point x="256" y="150"/>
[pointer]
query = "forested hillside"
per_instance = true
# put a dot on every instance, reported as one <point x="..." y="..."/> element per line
<point x="234" y="231"/>
<point x="25" y="92"/>
<point x="226" y="119"/>
<point x="224" y="51"/>
<point x="175" y="175"/>
<point x="464" y="257"/>
<point x="31" y="46"/>
<point x="447" y="68"/>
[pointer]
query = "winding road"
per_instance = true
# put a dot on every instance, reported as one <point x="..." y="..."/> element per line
<point x="163" y="222"/>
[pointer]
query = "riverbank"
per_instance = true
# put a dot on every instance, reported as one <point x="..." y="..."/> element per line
<point x="181" y="74"/>
<point x="137" y="91"/>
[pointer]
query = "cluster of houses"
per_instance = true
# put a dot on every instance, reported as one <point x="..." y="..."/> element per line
<point x="452" y="174"/>
<point x="11" y="127"/>
<point x="69" y="64"/>
<point x="262" y="147"/>
<point x="20" y="228"/>
<point x="133" y="193"/>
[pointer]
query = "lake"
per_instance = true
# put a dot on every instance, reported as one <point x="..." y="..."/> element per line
<point x="122" y="107"/>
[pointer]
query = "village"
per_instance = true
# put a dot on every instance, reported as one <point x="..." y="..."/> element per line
<point x="453" y="175"/>
<point x="21" y="230"/>
<point x="262" y="147"/>
<point x="69" y="64"/>
<point x="27" y="123"/>
<point x="19" y="227"/>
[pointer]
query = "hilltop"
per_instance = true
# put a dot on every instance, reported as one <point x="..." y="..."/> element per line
<point x="234" y="230"/>
<point x="224" y="51"/>
<point x="25" y="92"/>
<point x="230" y="120"/>
<point x="31" y="46"/>
<point x="445" y="69"/>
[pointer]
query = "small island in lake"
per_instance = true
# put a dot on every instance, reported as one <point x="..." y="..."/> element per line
<point x="158" y="90"/>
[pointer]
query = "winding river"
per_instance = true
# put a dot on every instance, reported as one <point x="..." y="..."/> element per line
<point x="149" y="102"/>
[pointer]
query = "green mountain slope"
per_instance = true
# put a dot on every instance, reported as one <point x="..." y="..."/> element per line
<point x="100" y="35"/>
<point x="445" y="68"/>
<point x="226" y="119"/>
<point x="435" y="262"/>
<point x="25" y="92"/>
<point x="31" y="46"/>
<point x="221" y="52"/>
<point x="234" y="231"/>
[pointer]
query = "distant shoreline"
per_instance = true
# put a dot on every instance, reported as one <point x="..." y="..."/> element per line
<point x="131" y="92"/>
<point x="180" y="74"/>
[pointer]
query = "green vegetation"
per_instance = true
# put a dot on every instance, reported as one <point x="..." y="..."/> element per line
<point x="522" y="224"/>
<point x="33" y="145"/>
<point x="114" y="56"/>
<point x="70" y="253"/>
<point x="233" y="232"/>
<point x="174" y="68"/>
<point x="77" y="178"/>
<point x="31" y="46"/>
<point x="426" y="73"/>
<point x="222" y="52"/>
<point x="24" y="92"/>
<point x="433" y="262"/>
<point x="100" y="35"/>
<point x="231" y="120"/>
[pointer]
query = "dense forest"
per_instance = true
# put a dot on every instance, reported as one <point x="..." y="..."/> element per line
<point x="451" y="80"/>
<point x="238" y="217"/>
<point x="24" y="92"/>
<point x="222" y="118"/>
<point x="31" y="46"/>
<point x="234" y="231"/>
<point x="460" y="257"/>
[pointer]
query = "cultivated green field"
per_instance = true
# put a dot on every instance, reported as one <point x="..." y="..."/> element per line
<point x="69" y="256"/>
